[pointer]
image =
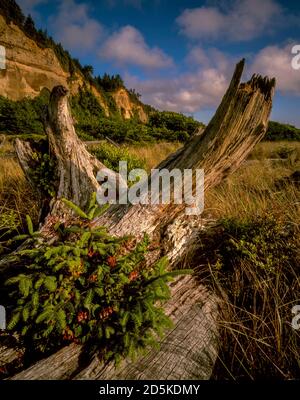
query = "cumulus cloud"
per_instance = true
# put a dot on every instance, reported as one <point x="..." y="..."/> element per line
<point x="209" y="73"/>
<point x="276" y="61"/>
<point x="201" y="87"/>
<point x="74" y="28"/>
<point x="241" y="20"/>
<point x="128" y="47"/>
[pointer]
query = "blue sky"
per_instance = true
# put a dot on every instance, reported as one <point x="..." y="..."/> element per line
<point x="180" y="54"/>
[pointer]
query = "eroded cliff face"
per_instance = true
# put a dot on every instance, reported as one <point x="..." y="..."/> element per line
<point x="128" y="108"/>
<point x="30" y="68"/>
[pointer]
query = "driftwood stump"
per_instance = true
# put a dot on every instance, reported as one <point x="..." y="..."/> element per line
<point x="190" y="349"/>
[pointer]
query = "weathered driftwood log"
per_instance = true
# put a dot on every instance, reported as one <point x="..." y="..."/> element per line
<point x="239" y="123"/>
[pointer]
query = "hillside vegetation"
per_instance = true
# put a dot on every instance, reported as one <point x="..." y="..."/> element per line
<point x="24" y="117"/>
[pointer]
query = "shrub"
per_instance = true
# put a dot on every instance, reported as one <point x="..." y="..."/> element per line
<point x="23" y="116"/>
<point x="110" y="156"/>
<point x="277" y="131"/>
<point x="43" y="173"/>
<point x="90" y="288"/>
<point x="174" y="122"/>
<point x="9" y="223"/>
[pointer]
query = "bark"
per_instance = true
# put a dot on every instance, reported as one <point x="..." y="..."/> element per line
<point x="190" y="348"/>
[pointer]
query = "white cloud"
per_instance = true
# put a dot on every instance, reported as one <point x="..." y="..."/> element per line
<point x="241" y="20"/>
<point x="74" y="28"/>
<point x="202" y="87"/>
<point x="128" y="47"/>
<point x="275" y="61"/>
<point x="208" y="76"/>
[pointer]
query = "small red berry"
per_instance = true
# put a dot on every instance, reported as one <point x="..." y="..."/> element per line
<point x="106" y="312"/>
<point x="133" y="275"/>
<point x="93" y="278"/>
<point x="82" y="316"/>
<point x="111" y="261"/>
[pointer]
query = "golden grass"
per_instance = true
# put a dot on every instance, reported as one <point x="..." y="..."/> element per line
<point x="265" y="150"/>
<point x="15" y="193"/>
<point x="252" y="191"/>
<point x="153" y="153"/>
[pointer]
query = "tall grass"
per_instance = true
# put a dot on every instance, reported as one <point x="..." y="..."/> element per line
<point x="17" y="197"/>
<point x="153" y="153"/>
<point x="249" y="263"/>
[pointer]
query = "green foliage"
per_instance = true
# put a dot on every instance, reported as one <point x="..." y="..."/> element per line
<point x="24" y="116"/>
<point x="174" y="122"/>
<point x="109" y="83"/>
<point x="265" y="243"/>
<point x="110" y="156"/>
<point x="43" y="173"/>
<point x="277" y="131"/>
<point x="87" y="112"/>
<point x="9" y="223"/>
<point x="12" y="12"/>
<point x="91" y="288"/>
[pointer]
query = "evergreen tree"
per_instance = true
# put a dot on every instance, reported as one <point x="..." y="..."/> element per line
<point x="29" y="27"/>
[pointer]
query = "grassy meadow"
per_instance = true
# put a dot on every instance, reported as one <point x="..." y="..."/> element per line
<point x="251" y="259"/>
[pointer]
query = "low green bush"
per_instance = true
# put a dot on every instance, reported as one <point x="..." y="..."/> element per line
<point x="277" y="131"/>
<point x="111" y="155"/>
<point x="91" y="288"/>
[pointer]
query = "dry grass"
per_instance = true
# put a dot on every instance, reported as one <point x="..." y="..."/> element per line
<point x="258" y="291"/>
<point x="16" y="196"/>
<point x="252" y="191"/>
<point x="274" y="149"/>
<point x="153" y="153"/>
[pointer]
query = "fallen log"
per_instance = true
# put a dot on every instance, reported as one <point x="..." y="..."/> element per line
<point x="239" y="123"/>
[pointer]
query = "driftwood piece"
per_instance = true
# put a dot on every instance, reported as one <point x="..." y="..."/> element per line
<point x="188" y="351"/>
<point x="239" y="123"/>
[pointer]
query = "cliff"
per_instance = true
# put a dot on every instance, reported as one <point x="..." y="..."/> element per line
<point x="30" y="68"/>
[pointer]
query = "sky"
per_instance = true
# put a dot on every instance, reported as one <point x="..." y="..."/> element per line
<point x="180" y="54"/>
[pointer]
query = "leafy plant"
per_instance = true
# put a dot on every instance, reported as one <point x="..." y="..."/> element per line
<point x="110" y="155"/>
<point x="43" y="173"/>
<point x="266" y="243"/>
<point x="277" y="131"/>
<point x="91" y="288"/>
